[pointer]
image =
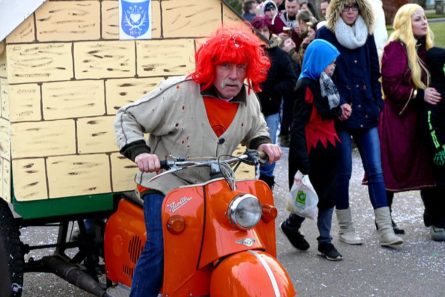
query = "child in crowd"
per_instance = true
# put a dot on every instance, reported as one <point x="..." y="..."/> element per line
<point x="314" y="142"/>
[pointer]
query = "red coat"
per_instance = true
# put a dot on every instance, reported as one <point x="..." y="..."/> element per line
<point x="406" y="160"/>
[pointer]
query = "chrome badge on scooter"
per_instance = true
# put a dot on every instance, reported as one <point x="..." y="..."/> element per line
<point x="246" y="241"/>
<point x="174" y="206"/>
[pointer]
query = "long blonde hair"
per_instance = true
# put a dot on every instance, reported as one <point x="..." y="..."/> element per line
<point x="403" y="31"/>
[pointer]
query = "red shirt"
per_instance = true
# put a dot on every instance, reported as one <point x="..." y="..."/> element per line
<point x="220" y="114"/>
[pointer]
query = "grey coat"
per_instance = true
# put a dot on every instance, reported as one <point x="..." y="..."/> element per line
<point x="175" y="117"/>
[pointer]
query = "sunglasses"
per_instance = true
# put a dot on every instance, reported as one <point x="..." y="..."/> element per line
<point x="353" y="8"/>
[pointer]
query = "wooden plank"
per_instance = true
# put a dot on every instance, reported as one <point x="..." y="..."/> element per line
<point x="1" y="177"/>
<point x="29" y="179"/>
<point x="229" y="17"/>
<point x="78" y="175"/>
<point x="25" y="32"/>
<point x="25" y="103"/>
<point x="39" y="62"/>
<point x="124" y="91"/>
<point x="96" y="135"/>
<point x="4" y="89"/>
<point x="244" y="171"/>
<point x="2" y="62"/>
<point x="40" y="139"/>
<point x="123" y="173"/>
<point x="195" y="18"/>
<point x="104" y="59"/>
<point x="165" y="57"/>
<point x="68" y="21"/>
<point x="110" y="19"/>
<point x="6" y="180"/>
<point x="73" y="99"/>
<point x="5" y="139"/>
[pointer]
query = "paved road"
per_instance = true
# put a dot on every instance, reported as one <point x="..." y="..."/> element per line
<point x="417" y="269"/>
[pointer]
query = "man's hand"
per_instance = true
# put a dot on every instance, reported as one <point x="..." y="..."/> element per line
<point x="346" y="111"/>
<point x="148" y="162"/>
<point x="272" y="151"/>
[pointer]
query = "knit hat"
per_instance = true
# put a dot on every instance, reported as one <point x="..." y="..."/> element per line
<point x="269" y="6"/>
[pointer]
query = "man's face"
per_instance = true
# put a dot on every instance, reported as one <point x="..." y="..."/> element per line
<point x="270" y="13"/>
<point x="278" y="2"/>
<point x="229" y="79"/>
<point x="323" y="7"/>
<point x="292" y="7"/>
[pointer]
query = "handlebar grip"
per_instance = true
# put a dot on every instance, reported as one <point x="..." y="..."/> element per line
<point x="164" y="164"/>
<point x="263" y="156"/>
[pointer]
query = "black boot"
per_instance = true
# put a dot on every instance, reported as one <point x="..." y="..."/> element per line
<point x="269" y="180"/>
<point x="290" y="228"/>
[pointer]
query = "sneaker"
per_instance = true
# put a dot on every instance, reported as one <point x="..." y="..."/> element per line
<point x="328" y="251"/>
<point x="437" y="234"/>
<point x="294" y="237"/>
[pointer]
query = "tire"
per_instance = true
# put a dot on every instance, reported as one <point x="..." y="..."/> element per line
<point x="11" y="254"/>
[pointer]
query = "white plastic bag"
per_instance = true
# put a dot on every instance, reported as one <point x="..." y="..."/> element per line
<point x="302" y="199"/>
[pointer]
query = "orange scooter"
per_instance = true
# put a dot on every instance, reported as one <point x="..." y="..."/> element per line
<point x="219" y="236"/>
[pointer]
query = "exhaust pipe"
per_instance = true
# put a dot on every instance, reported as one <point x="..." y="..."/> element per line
<point x="74" y="275"/>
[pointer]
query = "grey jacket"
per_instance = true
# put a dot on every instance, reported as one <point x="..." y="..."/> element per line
<point x="175" y="117"/>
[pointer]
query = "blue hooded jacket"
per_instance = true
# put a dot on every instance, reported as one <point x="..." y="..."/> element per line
<point x="318" y="55"/>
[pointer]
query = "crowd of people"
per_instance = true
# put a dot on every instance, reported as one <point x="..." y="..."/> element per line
<point x="324" y="77"/>
<point x="389" y="101"/>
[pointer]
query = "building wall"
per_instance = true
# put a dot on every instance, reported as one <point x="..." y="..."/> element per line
<point x="67" y="74"/>
<point x="5" y="138"/>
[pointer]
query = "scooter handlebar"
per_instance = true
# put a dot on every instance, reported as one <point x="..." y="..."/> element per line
<point x="251" y="157"/>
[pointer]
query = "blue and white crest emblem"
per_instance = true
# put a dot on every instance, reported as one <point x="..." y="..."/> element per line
<point x="135" y="17"/>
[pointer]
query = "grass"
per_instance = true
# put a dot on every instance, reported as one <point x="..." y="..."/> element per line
<point x="439" y="33"/>
<point x="431" y="14"/>
<point x="438" y="30"/>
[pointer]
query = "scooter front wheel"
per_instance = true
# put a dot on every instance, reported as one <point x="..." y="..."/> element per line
<point x="251" y="273"/>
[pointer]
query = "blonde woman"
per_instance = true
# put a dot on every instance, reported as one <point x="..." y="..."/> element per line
<point x="406" y="159"/>
<point x="350" y="28"/>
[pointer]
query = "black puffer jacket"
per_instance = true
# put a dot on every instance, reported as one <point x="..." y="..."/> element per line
<point x="281" y="79"/>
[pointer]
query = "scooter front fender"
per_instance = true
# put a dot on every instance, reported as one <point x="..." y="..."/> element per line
<point x="251" y="273"/>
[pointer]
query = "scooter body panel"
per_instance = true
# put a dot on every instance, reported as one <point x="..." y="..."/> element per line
<point x="251" y="274"/>
<point x="181" y="275"/>
<point x="124" y="238"/>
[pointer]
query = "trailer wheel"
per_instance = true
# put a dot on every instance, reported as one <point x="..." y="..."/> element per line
<point x="11" y="254"/>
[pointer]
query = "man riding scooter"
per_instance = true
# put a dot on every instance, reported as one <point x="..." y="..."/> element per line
<point x="207" y="113"/>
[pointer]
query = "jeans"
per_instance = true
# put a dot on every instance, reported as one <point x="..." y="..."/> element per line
<point x="324" y="223"/>
<point x="368" y="144"/>
<point x="272" y="121"/>
<point x="149" y="271"/>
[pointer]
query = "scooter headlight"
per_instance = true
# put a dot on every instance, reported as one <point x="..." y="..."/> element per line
<point x="245" y="211"/>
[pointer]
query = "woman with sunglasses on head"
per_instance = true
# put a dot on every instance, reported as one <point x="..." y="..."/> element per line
<point x="349" y="27"/>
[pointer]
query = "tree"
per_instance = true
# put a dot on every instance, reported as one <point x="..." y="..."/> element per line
<point x="236" y="5"/>
<point x="390" y="7"/>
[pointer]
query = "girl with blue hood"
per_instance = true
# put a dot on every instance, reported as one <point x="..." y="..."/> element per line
<point x="314" y="142"/>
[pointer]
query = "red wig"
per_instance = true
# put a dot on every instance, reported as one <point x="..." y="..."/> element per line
<point x="237" y="45"/>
